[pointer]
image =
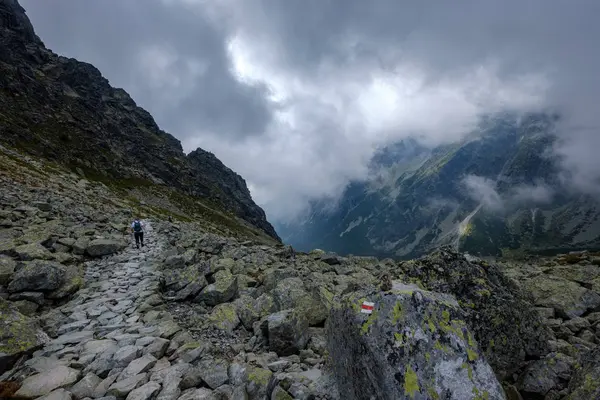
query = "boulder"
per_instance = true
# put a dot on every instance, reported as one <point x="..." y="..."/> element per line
<point x="223" y="290"/>
<point x="585" y="383"/>
<point x="291" y="293"/>
<point x="414" y="345"/>
<point x="568" y="298"/>
<point x="45" y="382"/>
<point x="18" y="335"/>
<point x="7" y="269"/>
<point x="72" y="282"/>
<point x="288" y="332"/>
<point x="224" y="317"/>
<point x="505" y="324"/>
<point x="103" y="247"/>
<point x="80" y="245"/>
<point x="37" y="275"/>
<point x="541" y="376"/>
<point x="32" y="251"/>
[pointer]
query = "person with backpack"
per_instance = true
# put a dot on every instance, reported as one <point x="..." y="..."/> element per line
<point x="137" y="227"/>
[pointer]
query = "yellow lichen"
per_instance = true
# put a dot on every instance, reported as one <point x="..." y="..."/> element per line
<point x="411" y="382"/>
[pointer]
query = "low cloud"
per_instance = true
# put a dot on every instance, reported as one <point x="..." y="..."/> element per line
<point x="296" y="96"/>
<point x="532" y="194"/>
<point x="483" y="190"/>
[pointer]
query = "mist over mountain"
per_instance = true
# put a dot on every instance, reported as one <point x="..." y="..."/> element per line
<point x="497" y="192"/>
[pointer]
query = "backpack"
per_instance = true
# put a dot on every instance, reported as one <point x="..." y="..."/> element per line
<point x="137" y="226"/>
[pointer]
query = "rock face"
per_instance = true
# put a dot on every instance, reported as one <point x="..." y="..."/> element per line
<point x="73" y="116"/>
<point x="498" y="314"/>
<point x="414" y="345"/>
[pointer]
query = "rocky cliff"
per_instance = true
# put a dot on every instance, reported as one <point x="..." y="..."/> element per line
<point x="65" y="111"/>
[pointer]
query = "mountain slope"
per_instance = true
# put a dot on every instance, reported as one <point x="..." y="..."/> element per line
<point x="65" y="111"/>
<point x="494" y="193"/>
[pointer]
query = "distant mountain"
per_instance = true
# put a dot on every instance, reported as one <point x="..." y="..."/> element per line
<point x="65" y="111"/>
<point x="496" y="192"/>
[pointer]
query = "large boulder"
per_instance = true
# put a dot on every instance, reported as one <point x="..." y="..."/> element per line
<point x="18" y="335"/>
<point x="32" y="251"/>
<point x="291" y="293"/>
<point x="414" y="345"/>
<point x="505" y="324"/>
<point x="103" y="247"/>
<point x="549" y="373"/>
<point x="287" y="332"/>
<point x="37" y="275"/>
<point x="224" y="317"/>
<point x="222" y="290"/>
<point x="568" y="298"/>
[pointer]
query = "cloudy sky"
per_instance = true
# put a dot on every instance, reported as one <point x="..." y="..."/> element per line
<point x="295" y="95"/>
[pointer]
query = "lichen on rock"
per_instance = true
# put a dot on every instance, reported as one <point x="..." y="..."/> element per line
<point x="414" y="345"/>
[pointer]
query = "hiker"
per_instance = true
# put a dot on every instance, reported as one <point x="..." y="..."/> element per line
<point x="137" y="227"/>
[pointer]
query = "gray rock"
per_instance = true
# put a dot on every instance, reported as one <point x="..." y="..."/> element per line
<point x="157" y="348"/>
<point x="239" y="393"/>
<point x="546" y="374"/>
<point x="138" y="366"/>
<point x="238" y="374"/>
<point x="19" y="335"/>
<point x="288" y="332"/>
<point x="585" y="383"/>
<point x="197" y="394"/>
<point x="214" y="372"/>
<point x="258" y="383"/>
<point x="224" y="317"/>
<point x="124" y="355"/>
<point x="122" y="387"/>
<point x="43" y="383"/>
<point x="416" y="341"/>
<point x="35" y="297"/>
<point x="103" y="386"/>
<point x="280" y="394"/>
<point x="73" y="326"/>
<point x="103" y="247"/>
<point x="7" y="269"/>
<point x="170" y="388"/>
<point x="58" y="394"/>
<point x="144" y="392"/>
<point x="73" y="337"/>
<point x="191" y="378"/>
<point x="221" y="291"/>
<point x="80" y="245"/>
<point x="32" y="251"/>
<point x="37" y="275"/>
<point x="86" y="386"/>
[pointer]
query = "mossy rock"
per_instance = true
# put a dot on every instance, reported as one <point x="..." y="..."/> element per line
<point x="416" y="343"/>
<point x="18" y="335"/>
<point x="224" y="317"/>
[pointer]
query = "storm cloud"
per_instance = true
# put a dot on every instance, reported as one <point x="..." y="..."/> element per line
<point x="297" y="95"/>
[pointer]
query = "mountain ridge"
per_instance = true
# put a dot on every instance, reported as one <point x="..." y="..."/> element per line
<point x="65" y="111"/>
<point x="497" y="192"/>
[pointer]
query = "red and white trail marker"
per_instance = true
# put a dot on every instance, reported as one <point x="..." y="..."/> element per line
<point x="367" y="307"/>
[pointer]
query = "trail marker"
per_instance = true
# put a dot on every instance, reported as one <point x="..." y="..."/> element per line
<point x="367" y="307"/>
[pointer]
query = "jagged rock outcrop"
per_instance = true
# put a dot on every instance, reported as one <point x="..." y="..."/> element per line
<point x="506" y="326"/>
<point x="65" y="111"/>
<point x="415" y="344"/>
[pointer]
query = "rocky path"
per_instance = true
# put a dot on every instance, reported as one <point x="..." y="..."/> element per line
<point x="113" y="339"/>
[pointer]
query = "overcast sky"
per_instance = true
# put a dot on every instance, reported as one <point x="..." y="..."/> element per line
<point x="295" y="95"/>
